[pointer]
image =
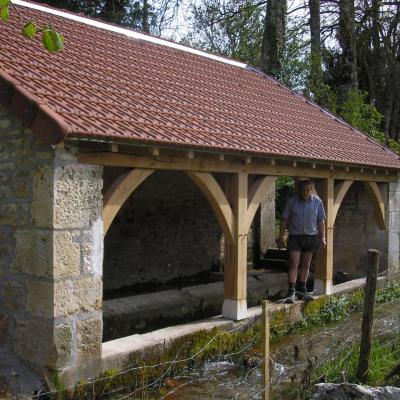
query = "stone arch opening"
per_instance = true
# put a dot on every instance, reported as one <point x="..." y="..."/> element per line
<point x="359" y="225"/>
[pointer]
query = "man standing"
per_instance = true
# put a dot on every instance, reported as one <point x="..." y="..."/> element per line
<point x="304" y="216"/>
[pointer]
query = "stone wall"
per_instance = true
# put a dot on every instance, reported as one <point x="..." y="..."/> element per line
<point x="394" y="226"/>
<point x="50" y="251"/>
<point x="166" y="231"/>
<point x="356" y="230"/>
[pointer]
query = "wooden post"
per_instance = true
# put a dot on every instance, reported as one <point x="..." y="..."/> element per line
<point x="235" y="256"/>
<point x="368" y="315"/>
<point x="323" y="282"/>
<point x="266" y="349"/>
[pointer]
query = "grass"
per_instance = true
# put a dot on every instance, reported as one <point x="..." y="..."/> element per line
<point x="384" y="357"/>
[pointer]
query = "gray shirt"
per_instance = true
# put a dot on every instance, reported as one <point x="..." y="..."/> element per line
<point x="304" y="215"/>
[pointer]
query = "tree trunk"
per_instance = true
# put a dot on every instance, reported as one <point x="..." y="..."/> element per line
<point x="316" y="77"/>
<point x="346" y="38"/>
<point x="274" y="37"/>
<point x="145" y="17"/>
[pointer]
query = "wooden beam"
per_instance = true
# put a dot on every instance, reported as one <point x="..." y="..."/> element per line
<point x="340" y="192"/>
<point x="214" y="164"/>
<point x="256" y="194"/>
<point x="379" y="204"/>
<point x="119" y="192"/>
<point x="235" y="257"/>
<point x="218" y="202"/>
<point x="323" y="281"/>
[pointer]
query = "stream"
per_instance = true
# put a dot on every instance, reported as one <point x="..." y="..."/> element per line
<point x="291" y="358"/>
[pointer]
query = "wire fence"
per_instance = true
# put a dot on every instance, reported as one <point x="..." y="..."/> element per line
<point x="294" y="363"/>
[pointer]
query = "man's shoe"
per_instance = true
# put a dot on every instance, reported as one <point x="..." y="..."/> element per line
<point x="291" y="297"/>
<point x="304" y="295"/>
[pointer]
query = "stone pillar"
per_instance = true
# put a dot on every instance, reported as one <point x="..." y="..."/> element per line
<point x="52" y="247"/>
<point x="394" y="227"/>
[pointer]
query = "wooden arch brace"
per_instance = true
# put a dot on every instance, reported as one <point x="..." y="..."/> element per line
<point x="379" y="204"/>
<point x="218" y="201"/>
<point x="221" y="206"/>
<point x="119" y="192"/>
<point x="373" y="190"/>
<point x="256" y="194"/>
<point x="340" y="192"/>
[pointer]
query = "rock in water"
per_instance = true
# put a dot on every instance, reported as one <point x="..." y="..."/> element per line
<point x="349" y="391"/>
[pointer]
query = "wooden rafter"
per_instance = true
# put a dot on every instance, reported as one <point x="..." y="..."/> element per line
<point x="119" y="192"/>
<point x="379" y="203"/>
<point x="218" y="201"/>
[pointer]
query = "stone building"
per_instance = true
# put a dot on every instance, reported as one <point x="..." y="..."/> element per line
<point x="125" y="127"/>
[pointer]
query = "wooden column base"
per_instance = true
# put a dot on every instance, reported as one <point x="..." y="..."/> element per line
<point x="234" y="309"/>
<point x="323" y="286"/>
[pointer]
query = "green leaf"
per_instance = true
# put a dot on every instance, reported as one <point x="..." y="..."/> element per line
<point x="52" y="40"/>
<point x="4" y="3"/>
<point x="4" y="13"/>
<point x="29" y="30"/>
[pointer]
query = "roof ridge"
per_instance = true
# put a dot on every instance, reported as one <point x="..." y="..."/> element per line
<point x="128" y="32"/>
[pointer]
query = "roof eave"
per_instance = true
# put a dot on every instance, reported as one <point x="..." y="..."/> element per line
<point x="43" y="121"/>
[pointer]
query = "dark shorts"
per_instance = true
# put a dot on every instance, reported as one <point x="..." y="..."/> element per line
<point x="303" y="243"/>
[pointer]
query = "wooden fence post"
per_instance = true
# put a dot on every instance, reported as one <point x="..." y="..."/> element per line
<point x="368" y="315"/>
<point x="265" y="308"/>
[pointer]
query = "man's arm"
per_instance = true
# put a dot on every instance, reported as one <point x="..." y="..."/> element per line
<point x="284" y="223"/>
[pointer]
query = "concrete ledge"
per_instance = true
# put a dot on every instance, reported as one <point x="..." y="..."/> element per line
<point x="148" y="312"/>
<point x="116" y="352"/>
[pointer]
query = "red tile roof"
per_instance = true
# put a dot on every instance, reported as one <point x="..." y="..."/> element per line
<point x="109" y="86"/>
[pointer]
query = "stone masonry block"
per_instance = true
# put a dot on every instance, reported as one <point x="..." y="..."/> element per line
<point x="12" y="295"/>
<point x="77" y="195"/>
<point x="8" y="214"/>
<point x="89" y="335"/>
<point x="33" y="253"/>
<point x="394" y="221"/>
<point x="40" y="298"/>
<point x="54" y="343"/>
<point x="394" y="187"/>
<point x="65" y="297"/>
<point x="63" y="344"/>
<point x="394" y="251"/>
<point x="3" y="329"/>
<point x="78" y="296"/>
<point x="394" y="201"/>
<point x="42" y="196"/>
<point x="92" y="249"/>
<point x="67" y="254"/>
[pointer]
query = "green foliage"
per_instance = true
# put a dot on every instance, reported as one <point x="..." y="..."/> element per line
<point x="383" y="359"/>
<point x="232" y="29"/>
<point x="360" y="113"/>
<point x="52" y="40"/>
<point x="29" y="30"/>
<point x="357" y="111"/>
<point x="4" y="5"/>
<point x="284" y="188"/>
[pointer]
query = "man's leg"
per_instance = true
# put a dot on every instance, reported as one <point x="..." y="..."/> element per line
<point x="304" y="270"/>
<point x="294" y="260"/>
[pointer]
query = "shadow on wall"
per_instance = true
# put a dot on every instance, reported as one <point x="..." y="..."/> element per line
<point x="166" y="232"/>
